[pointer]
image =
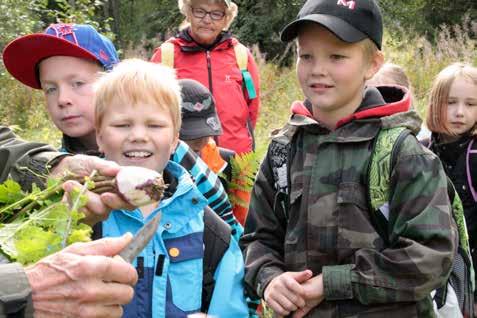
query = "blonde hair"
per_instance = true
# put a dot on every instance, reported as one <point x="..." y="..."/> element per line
<point x="185" y="7"/>
<point x="436" y="119"/>
<point x="391" y="74"/>
<point x="134" y="81"/>
<point x="367" y="45"/>
<point x="369" y="48"/>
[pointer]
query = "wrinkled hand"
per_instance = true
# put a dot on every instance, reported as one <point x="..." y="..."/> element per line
<point x="84" y="165"/>
<point x="314" y="295"/>
<point x="83" y="280"/>
<point x="98" y="206"/>
<point x="284" y="294"/>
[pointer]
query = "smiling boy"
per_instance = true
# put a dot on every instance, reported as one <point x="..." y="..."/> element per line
<point x="137" y="121"/>
<point x="310" y="245"/>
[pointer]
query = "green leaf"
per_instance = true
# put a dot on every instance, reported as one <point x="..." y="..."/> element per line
<point x="33" y="243"/>
<point x="10" y="192"/>
<point x="81" y="234"/>
<point x="44" y="225"/>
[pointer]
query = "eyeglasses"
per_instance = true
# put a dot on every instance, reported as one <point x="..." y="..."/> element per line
<point x="214" y="15"/>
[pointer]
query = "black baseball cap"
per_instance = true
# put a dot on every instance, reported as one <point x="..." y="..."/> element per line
<point x="199" y="117"/>
<point x="349" y="20"/>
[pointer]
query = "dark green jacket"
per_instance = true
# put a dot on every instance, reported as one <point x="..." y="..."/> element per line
<point x="325" y="225"/>
<point x="23" y="161"/>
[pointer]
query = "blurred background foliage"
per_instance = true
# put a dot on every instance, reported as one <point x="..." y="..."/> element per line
<point x="421" y="35"/>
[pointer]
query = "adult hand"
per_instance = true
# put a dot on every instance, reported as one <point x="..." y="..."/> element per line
<point x="83" y="280"/>
<point x="284" y="294"/>
<point x="314" y="295"/>
<point x="98" y="206"/>
<point x="83" y="165"/>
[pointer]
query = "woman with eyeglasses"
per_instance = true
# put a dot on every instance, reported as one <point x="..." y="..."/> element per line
<point x="205" y="50"/>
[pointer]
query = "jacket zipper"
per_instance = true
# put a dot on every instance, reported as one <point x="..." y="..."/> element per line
<point x="209" y="69"/>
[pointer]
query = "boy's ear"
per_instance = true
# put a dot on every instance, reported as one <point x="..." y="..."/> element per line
<point x="377" y="60"/>
<point x="99" y="140"/>
<point x="174" y="143"/>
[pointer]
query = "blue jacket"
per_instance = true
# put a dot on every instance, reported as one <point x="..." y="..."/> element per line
<point x="170" y="267"/>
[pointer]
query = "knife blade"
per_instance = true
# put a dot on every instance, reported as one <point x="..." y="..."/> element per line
<point x="140" y="240"/>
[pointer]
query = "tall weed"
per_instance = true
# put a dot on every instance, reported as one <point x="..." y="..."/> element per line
<point x="421" y="59"/>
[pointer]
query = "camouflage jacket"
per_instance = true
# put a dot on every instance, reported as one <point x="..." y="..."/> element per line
<point x="23" y="161"/>
<point x="324" y="224"/>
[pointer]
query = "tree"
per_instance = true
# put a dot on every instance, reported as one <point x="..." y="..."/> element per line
<point x="260" y="22"/>
<point x="425" y="16"/>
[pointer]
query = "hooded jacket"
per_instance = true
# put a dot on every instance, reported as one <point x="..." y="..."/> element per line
<point x="325" y="224"/>
<point x="454" y="159"/>
<point x="216" y="68"/>
<point x="170" y="266"/>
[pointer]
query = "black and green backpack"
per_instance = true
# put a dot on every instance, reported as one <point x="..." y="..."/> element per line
<point x="455" y="299"/>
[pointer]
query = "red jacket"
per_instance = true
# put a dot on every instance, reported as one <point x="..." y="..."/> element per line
<point x="217" y="69"/>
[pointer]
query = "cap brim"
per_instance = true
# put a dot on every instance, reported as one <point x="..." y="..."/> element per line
<point x="195" y="128"/>
<point x="339" y="27"/>
<point x="23" y="54"/>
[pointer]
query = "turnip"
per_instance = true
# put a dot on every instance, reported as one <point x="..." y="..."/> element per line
<point x="136" y="185"/>
<point x="139" y="186"/>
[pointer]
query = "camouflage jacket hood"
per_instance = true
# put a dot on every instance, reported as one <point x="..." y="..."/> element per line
<point x="388" y="104"/>
<point x="310" y="210"/>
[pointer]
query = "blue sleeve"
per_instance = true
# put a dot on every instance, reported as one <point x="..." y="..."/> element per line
<point x="209" y="185"/>
<point x="228" y="299"/>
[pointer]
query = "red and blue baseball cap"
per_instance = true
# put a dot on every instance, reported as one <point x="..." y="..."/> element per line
<point x="22" y="55"/>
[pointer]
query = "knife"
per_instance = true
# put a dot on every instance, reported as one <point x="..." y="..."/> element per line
<point x="140" y="240"/>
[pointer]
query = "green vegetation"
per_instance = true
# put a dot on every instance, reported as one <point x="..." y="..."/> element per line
<point x="414" y="39"/>
<point x="39" y="223"/>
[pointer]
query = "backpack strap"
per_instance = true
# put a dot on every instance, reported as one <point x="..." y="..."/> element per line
<point x="167" y="54"/>
<point x="381" y="163"/>
<point x="216" y="241"/>
<point x="241" y="56"/>
<point x="281" y="152"/>
<point x="463" y="251"/>
<point x="471" y="162"/>
<point x="383" y="160"/>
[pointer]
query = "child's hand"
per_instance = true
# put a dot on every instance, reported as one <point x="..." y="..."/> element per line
<point x="314" y="295"/>
<point x="285" y="293"/>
